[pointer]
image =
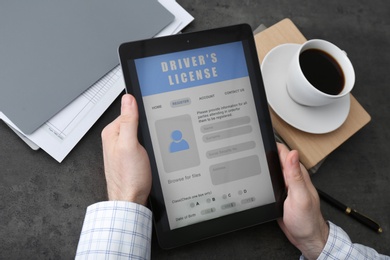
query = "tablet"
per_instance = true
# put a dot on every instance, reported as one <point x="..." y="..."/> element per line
<point x="205" y="124"/>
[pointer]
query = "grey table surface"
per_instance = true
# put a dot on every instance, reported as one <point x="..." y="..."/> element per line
<point x="42" y="202"/>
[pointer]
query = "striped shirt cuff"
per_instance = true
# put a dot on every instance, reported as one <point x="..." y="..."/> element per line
<point x="339" y="246"/>
<point x="116" y="230"/>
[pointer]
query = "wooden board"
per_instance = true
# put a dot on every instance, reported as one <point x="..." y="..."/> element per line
<point x="313" y="148"/>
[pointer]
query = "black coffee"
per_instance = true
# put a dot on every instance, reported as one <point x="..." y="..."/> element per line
<point x="322" y="71"/>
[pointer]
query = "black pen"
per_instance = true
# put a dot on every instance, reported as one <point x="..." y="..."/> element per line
<point x="350" y="212"/>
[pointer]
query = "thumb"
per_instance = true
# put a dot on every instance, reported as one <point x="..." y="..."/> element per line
<point x="294" y="176"/>
<point x="127" y="105"/>
<point x="128" y="118"/>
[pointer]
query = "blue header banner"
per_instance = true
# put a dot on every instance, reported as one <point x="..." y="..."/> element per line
<point x="186" y="69"/>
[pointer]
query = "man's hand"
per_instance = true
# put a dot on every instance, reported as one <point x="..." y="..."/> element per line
<point x="302" y="221"/>
<point x="126" y="162"/>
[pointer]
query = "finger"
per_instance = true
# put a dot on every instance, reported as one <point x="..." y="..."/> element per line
<point x="283" y="151"/>
<point x="127" y="104"/>
<point x="113" y="128"/>
<point x="294" y="177"/>
<point x="128" y="119"/>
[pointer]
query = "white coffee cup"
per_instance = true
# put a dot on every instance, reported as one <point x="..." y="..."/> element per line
<point x="314" y="88"/>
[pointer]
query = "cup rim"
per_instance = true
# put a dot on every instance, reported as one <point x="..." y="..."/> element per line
<point x="343" y="61"/>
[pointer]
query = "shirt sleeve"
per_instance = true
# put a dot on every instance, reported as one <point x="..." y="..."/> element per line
<point x="339" y="246"/>
<point x="116" y="230"/>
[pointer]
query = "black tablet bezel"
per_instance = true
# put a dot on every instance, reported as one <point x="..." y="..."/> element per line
<point x="139" y="49"/>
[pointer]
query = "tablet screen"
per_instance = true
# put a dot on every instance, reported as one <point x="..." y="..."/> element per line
<point x="205" y="124"/>
<point x="205" y="133"/>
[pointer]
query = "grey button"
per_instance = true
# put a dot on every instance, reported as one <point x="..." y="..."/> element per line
<point x="225" y="124"/>
<point x="248" y="200"/>
<point x="180" y="102"/>
<point x="235" y="170"/>
<point x="207" y="211"/>
<point x="230" y="149"/>
<point x="228" y="206"/>
<point x="227" y="134"/>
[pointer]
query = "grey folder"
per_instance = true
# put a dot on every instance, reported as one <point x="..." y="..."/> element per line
<point x="52" y="51"/>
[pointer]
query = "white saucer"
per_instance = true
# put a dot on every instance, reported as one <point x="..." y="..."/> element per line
<point x="316" y="120"/>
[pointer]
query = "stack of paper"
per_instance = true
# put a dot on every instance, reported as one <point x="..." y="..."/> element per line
<point x="61" y="133"/>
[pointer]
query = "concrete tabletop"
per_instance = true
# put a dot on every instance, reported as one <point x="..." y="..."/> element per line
<point x="42" y="202"/>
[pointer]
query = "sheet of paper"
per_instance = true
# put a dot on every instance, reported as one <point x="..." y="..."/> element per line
<point x="182" y="18"/>
<point x="22" y="136"/>
<point x="63" y="48"/>
<point x="61" y="133"/>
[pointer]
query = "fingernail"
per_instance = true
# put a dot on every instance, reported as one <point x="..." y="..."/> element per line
<point x="294" y="158"/>
<point x="127" y="100"/>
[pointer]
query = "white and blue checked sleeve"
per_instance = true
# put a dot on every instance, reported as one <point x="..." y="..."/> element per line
<point x="339" y="246"/>
<point x="116" y="230"/>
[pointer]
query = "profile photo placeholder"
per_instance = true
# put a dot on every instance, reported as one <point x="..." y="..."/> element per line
<point x="177" y="143"/>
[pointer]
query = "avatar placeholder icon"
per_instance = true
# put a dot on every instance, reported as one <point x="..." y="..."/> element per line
<point x="176" y="139"/>
<point x="178" y="143"/>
